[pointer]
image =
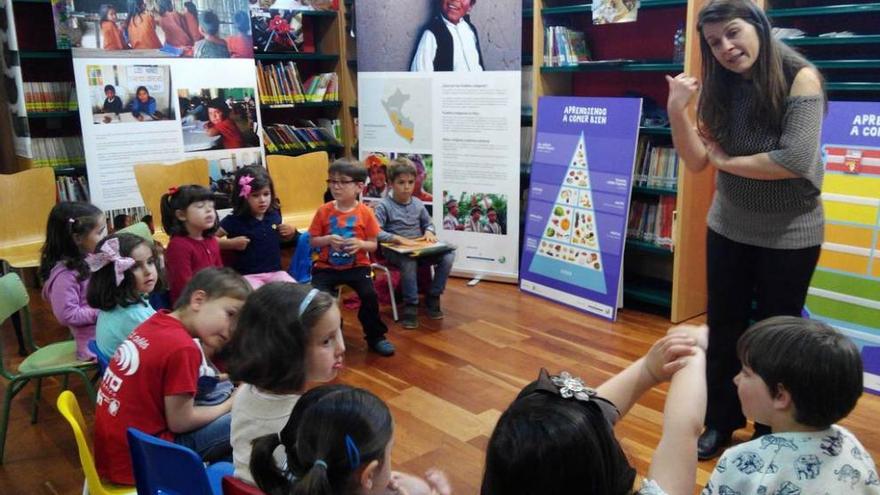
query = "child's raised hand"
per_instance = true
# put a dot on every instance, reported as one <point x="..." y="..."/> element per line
<point x="668" y="355"/>
<point x="430" y="236"/>
<point x="700" y="333"/>
<point x="239" y="243"/>
<point x="286" y="230"/>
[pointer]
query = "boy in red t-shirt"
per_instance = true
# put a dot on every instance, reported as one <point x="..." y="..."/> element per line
<point x="346" y="231"/>
<point x="220" y="123"/>
<point x="153" y="377"/>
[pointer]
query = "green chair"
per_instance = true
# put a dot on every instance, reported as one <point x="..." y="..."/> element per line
<point x="58" y="359"/>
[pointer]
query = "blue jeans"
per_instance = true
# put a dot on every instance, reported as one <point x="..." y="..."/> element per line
<point x="210" y="441"/>
<point x="409" y="270"/>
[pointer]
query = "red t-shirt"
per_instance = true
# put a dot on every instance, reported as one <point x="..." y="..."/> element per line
<point x="185" y="256"/>
<point x="158" y="359"/>
<point x="231" y="135"/>
<point x="359" y="222"/>
<point x="240" y="46"/>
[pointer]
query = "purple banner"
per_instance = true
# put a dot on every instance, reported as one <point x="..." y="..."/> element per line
<point x="579" y="199"/>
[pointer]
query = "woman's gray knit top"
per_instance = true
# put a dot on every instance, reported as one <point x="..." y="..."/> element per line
<point x="780" y="214"/>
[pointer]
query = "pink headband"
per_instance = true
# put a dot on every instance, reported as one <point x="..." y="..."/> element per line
<point x="109" y="253"/>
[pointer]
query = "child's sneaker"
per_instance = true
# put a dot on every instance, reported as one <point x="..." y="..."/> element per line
<point x="383" y="347"/>
<point x="433" y="304"/>
<point x="410" y="316"/>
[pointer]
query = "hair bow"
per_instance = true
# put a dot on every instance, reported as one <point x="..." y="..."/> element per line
<point x="172" y="190"/>
<point x="565" y="385"/>
<point x="109" y="253"/>
<point x="245" y="182"/>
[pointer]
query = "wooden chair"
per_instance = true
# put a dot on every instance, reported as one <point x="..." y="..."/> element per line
<point x="300" y="183"/>
<point x="69" y="408"/>
<point x="26" y="198"/>
<point x="154" y="180"/>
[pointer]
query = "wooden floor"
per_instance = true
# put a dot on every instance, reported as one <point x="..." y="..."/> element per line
<point x="446" y="386"/>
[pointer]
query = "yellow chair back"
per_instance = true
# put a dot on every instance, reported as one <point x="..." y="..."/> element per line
<point x="154" y="180"/>
<point x="26" y="198"/>
<point x="69" y="408"/>
<point x="300" y="183"/>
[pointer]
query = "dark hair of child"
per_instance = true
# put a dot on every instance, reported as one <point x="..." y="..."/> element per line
<point x="542" y="435"/>
<point x="349" y="168"/>
<point x="119" y="221"/>
<point x="242" y="21"/>
<point x="165" y="6"/>
<point x="179" y="199"/>
<point x="219" y="104"/>
<point x="210" y="22"/>
<point x="139" y="89"/>
<point x="333" y="432"/>
<point x="191" y="8"/>
<point x="215" y="283"/>
<point x="135" y="8"/>
<point x="103" y="292"/>
<point x="109" y="87"/>
<point x="261" y="179"/>
<point x="490" y="209"/>
<point x="820" y="367"/>
<point x="268" y="349"/>
<point x="66" y="220"/>
<point x="401" y="166"/>
<point x="103" y="12"/>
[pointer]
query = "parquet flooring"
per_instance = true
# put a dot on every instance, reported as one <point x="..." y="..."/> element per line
<point x="446" y="386"/>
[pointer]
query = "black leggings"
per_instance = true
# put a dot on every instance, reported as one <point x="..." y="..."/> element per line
<point x="776" y="279"/>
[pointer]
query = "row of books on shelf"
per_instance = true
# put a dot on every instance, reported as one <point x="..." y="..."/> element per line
<point x="282" y="83"/>
<point x="72" y="188"/>
<point x="58" y="151"/>
<point x="564" y="47"/>
<point x="651" y="221"/>
<point x="656" y="166"/>
<point x="40" y="96"/>
<point x="307" y="136"/>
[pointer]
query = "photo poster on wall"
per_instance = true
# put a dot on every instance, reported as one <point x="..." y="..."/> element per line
<point x="845" y="289"/>
<point x="439" y="83"/>
<point x="579" y="196"/>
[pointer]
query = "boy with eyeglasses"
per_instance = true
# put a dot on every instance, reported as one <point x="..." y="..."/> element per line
<point x="345" y="230"/>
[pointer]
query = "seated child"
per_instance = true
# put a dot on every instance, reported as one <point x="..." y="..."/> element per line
<point x="799" y="377"/>
<point x="212" y="46"/>
<point x="173" y="25"/>
<point x="241" y="45"/>
<point x="152" y="379"/>
<point x="191" y="16"/>
<point x="558" y="433"/>
<point x="72" y="231"/>
<point x="112" y="103"/>
<point x="143" y="105"/>
<point x="125" y="270"/>
<point x="287" y="336"/>
<point x="403" y="219"/>
<point x="220" y="124"/>
<point x="338" y="441"/>
<point x="255" y="230"/>
<point x="140" y="26"/>
<point x="345" y="230"/>
<point x="111" y="35"/>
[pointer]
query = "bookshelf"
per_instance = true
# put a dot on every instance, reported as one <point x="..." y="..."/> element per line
<point x="637" y="55"/>
<point x="323" y="52"/>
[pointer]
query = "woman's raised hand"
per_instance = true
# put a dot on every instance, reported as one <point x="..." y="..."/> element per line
<point x="681" y="89"/>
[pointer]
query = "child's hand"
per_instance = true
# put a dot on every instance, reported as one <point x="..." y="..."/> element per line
<point x="668" y="355"/>
<point x="430" y="236"/>
<point x="286" y="230"/>
<point x="239" y="243"/>
<point x="438" y="481"/>
<point x="403" y="241"/>
<point x="337" y="242"/>
<point x="353" y="245"/>
<point x="700" y="333"/>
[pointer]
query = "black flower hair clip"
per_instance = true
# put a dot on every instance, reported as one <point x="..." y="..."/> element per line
<point x="565" y="385"/>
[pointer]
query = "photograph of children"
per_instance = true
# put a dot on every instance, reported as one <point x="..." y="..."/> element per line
<point x="130" y="93"/>
<point x="154" y="28"/>
<point x="439" y="35"/>
<point x="613" y="11"/>
<point x="277" y="30"/>
<point x="483" y="213"/>
<point x="377" y="164"/>
<point x="217" y="118"/>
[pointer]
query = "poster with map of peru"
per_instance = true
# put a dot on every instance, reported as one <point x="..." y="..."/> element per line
<point x="579" y="197"/>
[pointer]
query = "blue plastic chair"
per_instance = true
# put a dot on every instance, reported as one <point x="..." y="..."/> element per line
<point x="103" y="361"/>
<point x="164" y="467"/>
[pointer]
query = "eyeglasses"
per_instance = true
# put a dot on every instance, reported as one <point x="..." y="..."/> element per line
<point x="340" y="182"/>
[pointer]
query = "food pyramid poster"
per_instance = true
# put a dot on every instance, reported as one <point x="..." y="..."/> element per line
<point x="579" y="196"/>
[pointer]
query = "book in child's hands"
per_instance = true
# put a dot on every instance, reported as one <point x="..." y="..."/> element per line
<point x="420" y="248"/>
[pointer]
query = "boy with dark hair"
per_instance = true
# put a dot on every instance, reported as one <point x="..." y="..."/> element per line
<point x="212" y="46"/>
<point x="404" y="221"/>
<point x="345" y="230"/>
<point x="799" y="377"/>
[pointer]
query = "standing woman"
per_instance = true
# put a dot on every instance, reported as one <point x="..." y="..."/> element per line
<point x="759" y="121"/>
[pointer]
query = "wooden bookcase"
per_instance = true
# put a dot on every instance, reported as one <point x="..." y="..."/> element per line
<point x="677" y="279"/>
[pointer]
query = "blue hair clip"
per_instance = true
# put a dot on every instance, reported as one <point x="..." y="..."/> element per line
<point x="351" y="450"/>
<point x="306" y="301"/>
